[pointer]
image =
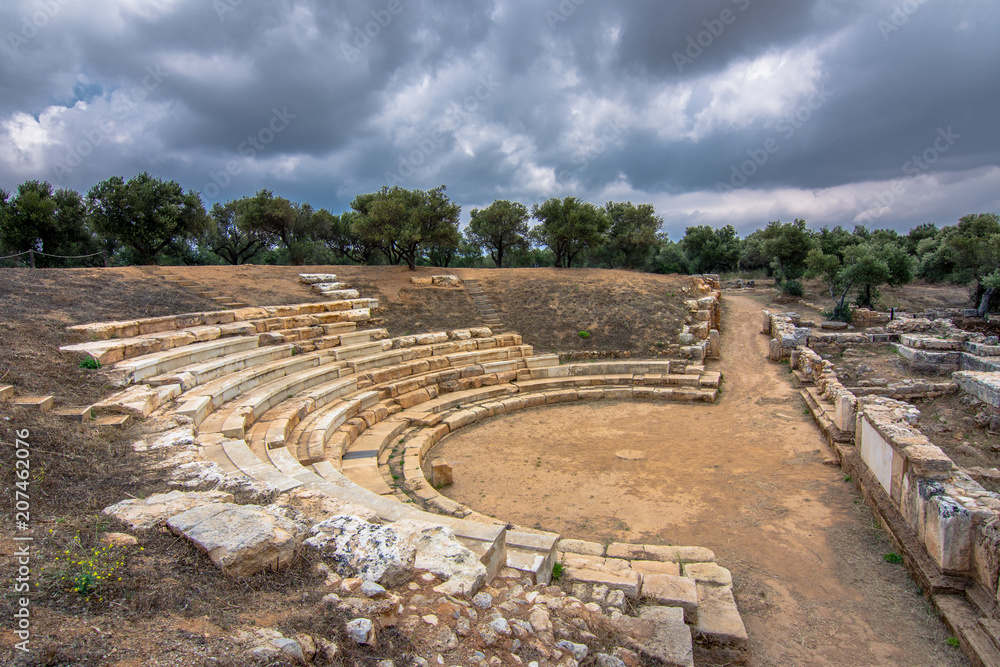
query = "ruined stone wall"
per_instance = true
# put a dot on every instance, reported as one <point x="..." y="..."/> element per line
<point x="954" y="517"/>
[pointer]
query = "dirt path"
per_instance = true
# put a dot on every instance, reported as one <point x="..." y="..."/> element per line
<point x="745" y="477"/>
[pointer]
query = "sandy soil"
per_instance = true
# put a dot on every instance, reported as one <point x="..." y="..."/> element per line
<point x="745" y="477"/>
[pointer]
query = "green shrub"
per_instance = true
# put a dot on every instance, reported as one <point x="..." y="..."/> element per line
<point x="892" y="558"/>
<point x="557" y="571"/>
<point x="793" y="288"/>
<point x="90" y="363"/>
<point x="584" y="334"/>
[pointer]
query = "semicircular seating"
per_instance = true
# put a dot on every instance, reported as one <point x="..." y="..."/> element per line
<point x="298" y="396"/>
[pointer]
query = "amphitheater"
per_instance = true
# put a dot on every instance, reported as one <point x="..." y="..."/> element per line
<point x="314" y="405"/>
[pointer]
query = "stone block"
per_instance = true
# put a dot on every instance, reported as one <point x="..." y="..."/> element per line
<point x="40" y="403"/>
<point x="441" y="473"/>
<point x="6" y="392"/>
<point x="708" y="573"/>
<point x="661" y="633"/>
<point x="628" y="582"/>
<point x="671" y="591"/>
<point x="719" y="620"/>
<point x="948" y="533"/>
<point x="648" y="567"/>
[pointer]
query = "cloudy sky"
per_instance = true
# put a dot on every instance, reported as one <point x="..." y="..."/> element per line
<point x="885" y="113"/>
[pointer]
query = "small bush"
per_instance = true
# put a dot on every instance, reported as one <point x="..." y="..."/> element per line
<point x="953" y="641"/>
<point x="793" y="288"/>
<point x="584" y="334"/>
<point x="892" y="558"/>
<point x="90" y="363"/>
<point x="557" y="571"/>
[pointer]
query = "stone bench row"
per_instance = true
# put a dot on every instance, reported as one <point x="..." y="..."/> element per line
<point x="110" y="347"/>
<point x="270" y="385"/>
<point x="365" y="449"/>
<point x="308" y="436"/>
<point x="151" y="325"/>
<point x="360" y="464"/>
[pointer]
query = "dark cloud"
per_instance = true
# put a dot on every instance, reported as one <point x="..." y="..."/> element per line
<point x="721" y="111"/>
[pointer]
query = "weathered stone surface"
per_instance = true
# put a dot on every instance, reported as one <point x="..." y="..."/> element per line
<point x="708" y="573"/>
<point x="441" y="473"/>
<point x="437" y="551"/>
<point x="357" y="548"/>
<point x="144" y="513"/>
<point x="948" y="533"/>
<point x="361" y="631"/>
<point x="315" y="278"/>
<point x="665" y="636"/>
<point x="242" y="539"/>
<point x="671" y="591"/>
<point x="628" y="582"/>
<point x="719" y="620"/>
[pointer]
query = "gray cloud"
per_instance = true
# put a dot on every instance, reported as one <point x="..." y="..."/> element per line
<point x="729" y="111"/>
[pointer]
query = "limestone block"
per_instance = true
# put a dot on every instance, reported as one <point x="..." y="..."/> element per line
<point x="581" y="547"/>
<point x="446" y="281"/>
<point x="708" y="573"/>
<point x="948" y="534"/>
<point x="354" y="547"/>
<point x="437" y="550"/>
<point x="766" y="322"/>
<point x="671" y="591"/>
<point x="668" y="637"/>
<point x="432" y="338"/>
<point x="628" y="582"/>
<point x="648" y="567"/>
<point x="144" y="513"/>
<point x="846" y="411"/>
<point x="986" y="554"/>
<point x="314" y="278"/>
<point x="719" y="620"/>
<point x="422" y="281"/>
<point x="441" y="473"/>
<point x="241" y="539"/>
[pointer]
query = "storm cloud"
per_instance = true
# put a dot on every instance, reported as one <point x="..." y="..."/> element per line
<point x="718" y="112"/>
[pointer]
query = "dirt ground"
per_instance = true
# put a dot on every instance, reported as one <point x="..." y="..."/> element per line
<point x="745" y="477"/>
<point x="172" y="607"/>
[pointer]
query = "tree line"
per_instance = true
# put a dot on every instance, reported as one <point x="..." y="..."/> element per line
<point x="146" y="220"/>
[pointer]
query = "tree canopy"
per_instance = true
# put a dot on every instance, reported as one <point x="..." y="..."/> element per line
<point x="146" y="214"/>
<point x="402" y="222"/>
<point x="568" y="227"/>
<point x="500" y="227"/>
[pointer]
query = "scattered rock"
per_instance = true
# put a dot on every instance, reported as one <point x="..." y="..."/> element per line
<point x="361" y="631"/>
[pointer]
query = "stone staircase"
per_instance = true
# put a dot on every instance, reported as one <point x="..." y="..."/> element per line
<point x="175" y="275"/>
<point x="489" y="313"/>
